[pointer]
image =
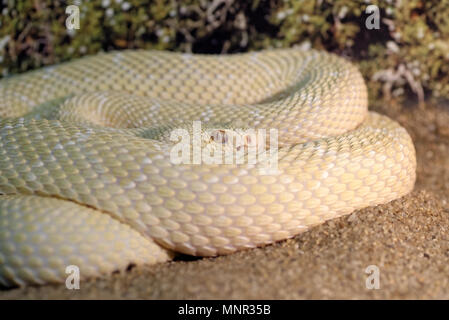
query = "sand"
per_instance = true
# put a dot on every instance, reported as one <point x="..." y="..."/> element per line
<point x="407" y="239"/>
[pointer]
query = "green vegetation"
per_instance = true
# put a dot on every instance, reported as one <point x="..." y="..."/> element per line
<point x="409" y="53"/>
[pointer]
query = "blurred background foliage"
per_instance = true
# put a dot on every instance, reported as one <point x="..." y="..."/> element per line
<point x="408" y="54"/>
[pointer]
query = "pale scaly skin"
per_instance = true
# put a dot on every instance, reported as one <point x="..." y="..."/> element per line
<point x="86" y="177"/>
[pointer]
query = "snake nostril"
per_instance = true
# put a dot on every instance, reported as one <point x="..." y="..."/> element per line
<point x="131" y="266"/>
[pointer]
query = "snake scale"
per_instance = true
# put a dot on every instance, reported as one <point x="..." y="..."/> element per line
<point x="86" y="177"/>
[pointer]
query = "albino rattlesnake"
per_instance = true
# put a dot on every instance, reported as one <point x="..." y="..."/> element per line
<point x="86" y="177"/>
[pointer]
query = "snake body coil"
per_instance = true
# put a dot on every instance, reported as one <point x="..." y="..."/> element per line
<point x="86" y="177"/>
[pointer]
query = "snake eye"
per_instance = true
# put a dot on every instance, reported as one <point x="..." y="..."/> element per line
<point x="220" y="136"/>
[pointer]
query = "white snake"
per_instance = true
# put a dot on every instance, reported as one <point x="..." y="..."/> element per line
<point x="86" y="177"/>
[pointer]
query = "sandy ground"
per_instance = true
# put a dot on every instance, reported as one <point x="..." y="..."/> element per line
<point x="407" y="239"/>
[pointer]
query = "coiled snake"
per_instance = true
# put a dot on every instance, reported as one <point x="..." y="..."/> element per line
<point x="86" y="177"/>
